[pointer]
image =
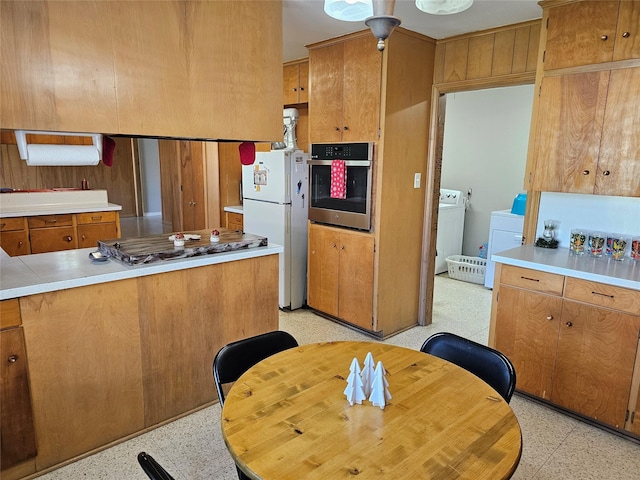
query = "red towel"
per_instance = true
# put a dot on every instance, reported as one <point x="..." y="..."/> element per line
<point x="108" y="146"/>
<point x="338" y="179"/>
<point x="247" y="153"/>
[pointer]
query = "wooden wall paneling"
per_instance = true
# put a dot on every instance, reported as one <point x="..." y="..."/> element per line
<point x="14" y="172"/>
<point x="190" y="87"/>
<point x="170" y="183"/>
<point x="230" y="175"/>
<point x="504" y="50"/>
<point x="38" y="38"/>
<point x="521" y="49"/>
<point x="212" y="182"/>
<point x="534" y="47"/>
<point x="85" y="367"/>
<point x="480" y="56"/>
<point x="406" y="114"/>
<point x="191" y="164"/>
<point x="202" y="310"/>
<point x="438" y="62"/>
<point x="455" y="61"/>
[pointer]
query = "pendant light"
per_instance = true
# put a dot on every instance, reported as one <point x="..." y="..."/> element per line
<point x="443" y="7"/>
<point x="348" y="10"/>
<point x="383" y="22"/>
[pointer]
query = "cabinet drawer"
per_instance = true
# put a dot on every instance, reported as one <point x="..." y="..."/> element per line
<point x="10" y="313"/>
<point x="532" y="280"/>
<point x="17" y="223"/>
<point x="96" y="217"/>
<point x="53" y="239"/>
<point x="44" y="221"/>
<point x="618" y="298"/>
<point x="15" y="243"/>
<point x="88" y="235"/>
<point x="234" y="220"/>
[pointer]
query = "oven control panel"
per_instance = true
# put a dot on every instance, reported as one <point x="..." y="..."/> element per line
<point x="342" y="151"/>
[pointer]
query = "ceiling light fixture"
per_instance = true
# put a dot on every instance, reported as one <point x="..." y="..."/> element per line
<point x="443" y="7"/>
<point x="348" y="10"/>
<point x="383" y="22"/>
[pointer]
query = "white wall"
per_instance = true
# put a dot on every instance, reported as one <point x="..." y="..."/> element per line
<point x="486" y="136"/>
<point x="150" y="172"/>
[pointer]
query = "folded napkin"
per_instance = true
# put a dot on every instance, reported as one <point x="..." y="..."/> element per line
<point x="187" y="236"/>
<point x="338" y="179"/>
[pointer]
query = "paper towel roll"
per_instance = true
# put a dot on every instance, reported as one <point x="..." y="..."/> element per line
<point x="62" y="155"/>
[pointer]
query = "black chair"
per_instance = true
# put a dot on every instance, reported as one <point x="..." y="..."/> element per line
<point x="484" y="362"/>
<point x="152" y="468"/>
<point x="236" y="358"/>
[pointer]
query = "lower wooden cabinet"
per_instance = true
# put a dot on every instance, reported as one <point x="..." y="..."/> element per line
<point x="18" y="434"/>
<point x="574" y="343"/>
<point x="340" y="274"/>
<point x="235" y="221"/>
<point x="14" y="236"/>
<point x="96" y="226"/>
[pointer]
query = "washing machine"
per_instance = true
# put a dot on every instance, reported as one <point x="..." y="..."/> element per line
<point x="451" y="210"/>
<point x="505" y="232"/>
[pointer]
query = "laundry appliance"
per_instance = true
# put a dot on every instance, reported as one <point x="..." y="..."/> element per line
<point x="451" y="210"/>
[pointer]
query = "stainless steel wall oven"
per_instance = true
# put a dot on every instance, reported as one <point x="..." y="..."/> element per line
<point x="352" y="208"/>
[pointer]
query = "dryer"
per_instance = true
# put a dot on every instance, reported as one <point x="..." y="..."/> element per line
<point x="451" y="210"/>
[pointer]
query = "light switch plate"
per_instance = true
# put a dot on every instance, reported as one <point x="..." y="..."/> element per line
<point x="416" y="180"/>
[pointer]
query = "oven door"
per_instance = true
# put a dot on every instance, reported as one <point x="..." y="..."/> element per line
<point x="353" y="210"/>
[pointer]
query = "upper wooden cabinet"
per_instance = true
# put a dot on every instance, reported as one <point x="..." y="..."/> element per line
<point x="295" y="77"/>
<point x="587" y="135"/>
<point x="589" y="32"/>
<point x="345" y="82"/>
<point x="207" y="69"/>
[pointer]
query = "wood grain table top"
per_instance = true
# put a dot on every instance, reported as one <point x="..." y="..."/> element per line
<point x="287" y="418"/>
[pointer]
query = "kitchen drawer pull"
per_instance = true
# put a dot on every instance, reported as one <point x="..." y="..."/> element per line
<point x="569" y="324"/>
<point x="585" y="172"/>
<point x="602" y="294"/>
<point x="606" y="173"/>
<point x="604" y="37"/>
<point x="20" y="243"/>
<point x="68" y="238"/>
<point x="530" y="279"/>
<point x="302" y="88"/>
<point x="12" y="359"/>
<point x="48" y="220"/>
<point x="626" y="35"/>
<point x="549" y="317"/>
<point x="99" y="217"/>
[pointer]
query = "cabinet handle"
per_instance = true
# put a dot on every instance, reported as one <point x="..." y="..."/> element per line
<point x="333" y="246"/>
<point x="585" y="172"/>
<point x="302" y="88"/>
<point x="84" y="237"/>
<point x="626" y="35"/>
<point x="606" y="173"/>
<point x="96" y="218"/>
<point x="337" y="129"/>
<point x="569" y="324"/>
<point x="341" y="247"/>
<point x="68" y="238"/>
<point x="604" y="38"/>
<point x="549" y="317"/>
<point x="50" y="221"/>
<point x="2" y="225"/>
<point x="295" y="89"/>
<point x="12" y="359"/>
<point x="20" y="243"/>
<point x="346" y="128"/>
<point x="602" y="294"/>
<point x="530" y="279"/>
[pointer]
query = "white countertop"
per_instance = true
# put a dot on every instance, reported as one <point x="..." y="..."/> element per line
<point x="48" y="272"/>
<point x="625" y="273"/>
<point x="234" y="209"/>
<point x="20" y="204"/>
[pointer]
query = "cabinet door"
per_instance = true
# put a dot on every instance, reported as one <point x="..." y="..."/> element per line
<point x="303" y="82"/>
<point x="53" y="239"/>
<point x="581" y="33"/>
<point x="323" y="269"/>
<point x="361" y="90"/>
<point x="527" y="333"/>
<point x="88" y="235"/>
<point x="326" y="71"/>
<point x="18" y="435"/>
<point x="15" y="243"/>
<point x="594" y="362"/>
<point x="355" y="295"/>
<point x="570" y="114"/>
<point x="627" y="43"/>
<point x="192" y="186"/>
<point x="290" y="90"/>
<point x="633" y="420"/>
<point x="618" y="171"/>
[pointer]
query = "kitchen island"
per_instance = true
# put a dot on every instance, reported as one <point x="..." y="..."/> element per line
<point x="571" y="326"/>
<point x="114" y="350"/>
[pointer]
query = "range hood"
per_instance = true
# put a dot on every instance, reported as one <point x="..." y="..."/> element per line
<point x="38" y="154"/>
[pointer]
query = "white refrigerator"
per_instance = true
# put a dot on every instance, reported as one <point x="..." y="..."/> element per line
<point x="274" y="200"/>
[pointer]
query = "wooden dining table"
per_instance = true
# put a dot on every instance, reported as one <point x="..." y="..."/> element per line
<point x="288" y="418"/>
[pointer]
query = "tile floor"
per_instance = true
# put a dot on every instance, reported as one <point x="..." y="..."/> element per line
<point x="555" y="446"/>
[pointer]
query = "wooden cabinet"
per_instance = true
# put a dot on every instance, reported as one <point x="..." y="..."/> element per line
<point x="14" y="236"/>
<point x="574" y="346"/>
<point x="96" y="226"/>
<point x="345" y="83"/>
<point x="590" y="32"/>
<point x="295" y="82"/>
<point x="587" y="134"/>
<point x="165" y="70"/>
<point x="235" y="221"/>
<point x="16" y="423"/>
<point x="340" y="273"/>
<point x="52" y="233"/>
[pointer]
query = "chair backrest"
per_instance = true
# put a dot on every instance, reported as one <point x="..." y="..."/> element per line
<point x="152" y="468"/>
<point x="484" y="362"/>
<point x="236" y="358"/>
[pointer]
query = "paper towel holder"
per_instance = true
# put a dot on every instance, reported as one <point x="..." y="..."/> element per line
<point x="89" y="159"/>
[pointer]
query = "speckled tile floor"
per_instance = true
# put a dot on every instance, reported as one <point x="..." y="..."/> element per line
<point x="555" y="446"/>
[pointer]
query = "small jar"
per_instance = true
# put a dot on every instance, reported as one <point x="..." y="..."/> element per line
<point x="215" y="236"/>
<point x="178" y="240"/>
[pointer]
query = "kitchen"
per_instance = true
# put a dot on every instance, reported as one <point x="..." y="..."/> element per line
<point x="386" y="239"/>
